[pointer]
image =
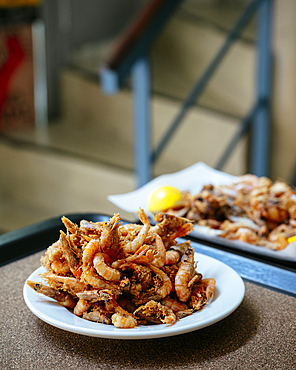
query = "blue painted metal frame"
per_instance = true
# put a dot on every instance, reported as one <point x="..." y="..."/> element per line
<point x="112" y="80"/>
<point x="261" y="127"/>
<point x="255" y="271"/>
<point x="258" y="119"/>
<point x="141" y="99"/>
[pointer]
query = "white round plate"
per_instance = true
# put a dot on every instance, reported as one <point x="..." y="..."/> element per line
<point x="229" y="293"/>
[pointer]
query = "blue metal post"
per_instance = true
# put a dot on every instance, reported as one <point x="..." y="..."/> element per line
<point x="141" y="106"/>
<point x="261" y="128"/>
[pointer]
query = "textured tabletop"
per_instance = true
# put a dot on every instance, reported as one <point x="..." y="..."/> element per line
<point x="260" y="334"/>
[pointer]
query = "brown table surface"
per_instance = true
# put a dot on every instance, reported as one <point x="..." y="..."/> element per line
<point x="260" y="334"/>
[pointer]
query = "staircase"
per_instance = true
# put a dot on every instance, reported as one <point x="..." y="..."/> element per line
<point x="73" y="164"/>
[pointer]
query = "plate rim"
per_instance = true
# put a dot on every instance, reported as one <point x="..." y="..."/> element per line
<point x="241" y="246"/>
<point x="161" y="331"/>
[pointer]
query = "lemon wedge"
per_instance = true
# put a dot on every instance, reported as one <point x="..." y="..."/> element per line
<point x="163" y="198"/>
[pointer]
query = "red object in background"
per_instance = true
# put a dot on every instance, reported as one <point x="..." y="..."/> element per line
<point x="17" y="108"/>
<point x="15" y="56"/>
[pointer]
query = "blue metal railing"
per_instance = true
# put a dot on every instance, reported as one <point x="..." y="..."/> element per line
<point x="136" y="63"/>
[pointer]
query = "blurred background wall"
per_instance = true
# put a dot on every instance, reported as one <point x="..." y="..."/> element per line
<point x="86" y="151"/>
<point x="71" y="24"/>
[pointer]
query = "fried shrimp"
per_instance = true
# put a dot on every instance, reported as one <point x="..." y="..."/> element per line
<point x="97" y="315"/>
<point x="202" y="292"/>
<point x="89" y="274"/>
<point x="64" y="299"/>
<point x="160" y="252"/>
<point x="170" y="223"/>
<point x="156" y="313"/>
<point x="54" y="260"/>
<point x="109" y="239"/>
<point x="81" y="306"/>
<point x="70" y="226"/>
<point x="133" y="246"/>
<point x="93" y="229"/>
<point x="163" y="284"/>
<point x="89" y="252"/>
<point x="124" y="320"/>
<point x="172" y="257"/>
<point x="173" y="304"/>
<point x="142" y="256"/>
<point x="121" y="318"/>
<point x="65" y="283"/>
<point x="248" y="210"/>
<point x="71" y="258"/>
<point x="103" y="269"/>
<point x="126" y="275"/>
<point x="184" y="276"/>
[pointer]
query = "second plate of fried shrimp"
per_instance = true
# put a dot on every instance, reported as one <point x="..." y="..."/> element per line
<point x="130" y="281"/>
<point x="248" y="213"/>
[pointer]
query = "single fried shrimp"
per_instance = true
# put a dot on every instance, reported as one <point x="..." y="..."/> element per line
<point x="182" y="231"/>
<point x="180" y="309"/>
<point x="81" y="306"/>
<point x="89" y="274"/>
<point x="160" y="252"/>
<point x="90" y="295"/>
<point x="138" y="284"/>
<point x="97" y="282"/>
<point x="165" y="285"/>
<point x="96" y="295"/>
<point x="124" y="321"/>
<point x="91" y="228"/>
<point x="71" y="258"/>
<point x="71" y="226"/>
<point x="172" y="257"/>
<point x="103" y="269"/>
<point x="142" y="256"/>
<point x="173" y="304"/>
<point x="65" y="283"/>
<point x="109" y="239"/>
<point x="184" y="275"/>
<point x="133" y="246"/>
<point x="202" y="292"/>
<point x="63" y="298"/>
<point x="168" y="222"/>
<point x="209" y="285"/>
<point x="155" y="312"/>
<point x="97" y="315"/>
<point x="121" y="318"/>
<point x="54" y="260"/>
<point x="89" y="252"/>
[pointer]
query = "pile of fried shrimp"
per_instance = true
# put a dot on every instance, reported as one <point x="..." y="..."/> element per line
<point x="254" y="210"/>
<point x="125" y="274"/>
